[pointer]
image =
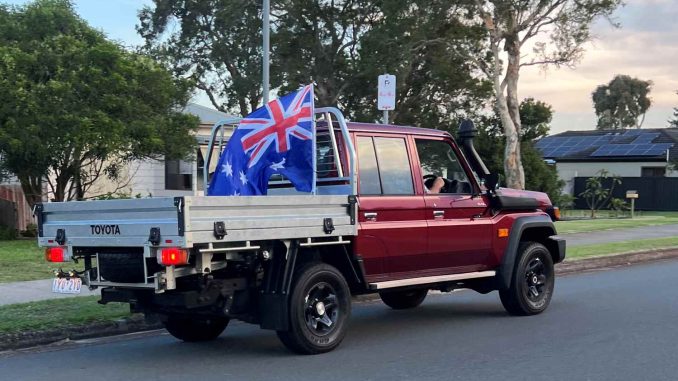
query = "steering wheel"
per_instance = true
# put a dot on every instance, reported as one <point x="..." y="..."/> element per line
<point x="449" y="184"/>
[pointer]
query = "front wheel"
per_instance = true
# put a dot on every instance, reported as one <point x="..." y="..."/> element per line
<point x="192" y="329"/>
<point x="320" y="305"/>
<point x="532" y="282"/>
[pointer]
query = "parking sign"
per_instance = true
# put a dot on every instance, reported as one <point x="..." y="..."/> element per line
<point x="386" y="92"/>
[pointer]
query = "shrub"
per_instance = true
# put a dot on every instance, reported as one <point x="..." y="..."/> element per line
<point x="7" y="233"/>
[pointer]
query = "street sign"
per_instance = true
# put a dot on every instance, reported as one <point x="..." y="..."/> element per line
<point x="386" y="92"/>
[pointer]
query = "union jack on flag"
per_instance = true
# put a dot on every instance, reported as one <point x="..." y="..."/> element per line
<point x="276" y="138"/>
<point x="282" y="123"/>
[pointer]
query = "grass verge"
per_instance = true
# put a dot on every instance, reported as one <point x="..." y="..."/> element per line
<point x="647" y="219"/>
<point x="580" y="252"/>
<point x="58" y="313"/>
<point x="23" y="260"/>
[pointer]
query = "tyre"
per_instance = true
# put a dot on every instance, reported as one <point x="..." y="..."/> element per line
<point x="319" y="308"/>
<point x="532" y="283"/>
<point x="402" y="300"/>
<point x="192" y="329"/>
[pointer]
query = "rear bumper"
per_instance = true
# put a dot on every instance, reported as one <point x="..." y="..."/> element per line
<point x="559" y="245"/>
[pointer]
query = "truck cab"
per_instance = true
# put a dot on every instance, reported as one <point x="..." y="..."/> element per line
<point x="398" y="211"/>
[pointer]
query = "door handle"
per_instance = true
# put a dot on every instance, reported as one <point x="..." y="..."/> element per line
<point x="438" y="213"/>
<point x="370" y="216"/>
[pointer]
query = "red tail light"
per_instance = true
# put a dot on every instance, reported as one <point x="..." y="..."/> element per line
<point x="56" y="254"/>
<point x="173" y="256"/>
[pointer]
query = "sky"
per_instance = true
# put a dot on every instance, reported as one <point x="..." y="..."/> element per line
<point x="646" y="46"/>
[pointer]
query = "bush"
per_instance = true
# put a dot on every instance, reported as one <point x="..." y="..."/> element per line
<point x="31" y="231"/>
<point x="7" y="233"/>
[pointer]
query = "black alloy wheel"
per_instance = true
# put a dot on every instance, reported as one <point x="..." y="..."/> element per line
<point x="195" y="329"/>
<point x="532" y="282"/>
<point x="319" y="308"/>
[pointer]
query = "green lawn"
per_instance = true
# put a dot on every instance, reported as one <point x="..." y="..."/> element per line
<point x="58" y="313"/>
<point x="645" y="219"/>
<point x="24" y="260"/>
<point x="621" y="247"/>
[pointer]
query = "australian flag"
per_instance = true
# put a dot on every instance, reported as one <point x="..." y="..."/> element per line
<point x="275" y="139"/>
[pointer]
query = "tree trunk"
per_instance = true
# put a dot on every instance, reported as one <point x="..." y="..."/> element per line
<point x="32" y="187"/>
<point x="513" y="165"/>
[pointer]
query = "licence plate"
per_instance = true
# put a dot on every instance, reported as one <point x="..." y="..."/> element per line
<point x="66" y="286"/>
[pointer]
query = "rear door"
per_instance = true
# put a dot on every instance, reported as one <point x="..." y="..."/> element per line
<point x="459" y="227"/>
<point x="393" y="228"/>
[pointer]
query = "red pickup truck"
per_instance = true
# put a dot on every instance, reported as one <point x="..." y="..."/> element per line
<point x="288" y="262"/>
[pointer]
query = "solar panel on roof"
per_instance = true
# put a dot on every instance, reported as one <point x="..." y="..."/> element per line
<point x="645" y="138"/>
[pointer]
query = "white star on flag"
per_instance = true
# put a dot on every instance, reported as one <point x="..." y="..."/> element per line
<point x="227" y="169"/>
<point x="243" y="178"/>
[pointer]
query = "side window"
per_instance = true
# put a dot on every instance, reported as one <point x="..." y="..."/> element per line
<point x="394" y="166"/>
<point x="367" y="167"/>
<point x="437" y="158"/>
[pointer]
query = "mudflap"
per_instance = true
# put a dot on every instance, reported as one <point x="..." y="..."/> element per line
<point x="275" y="292"/>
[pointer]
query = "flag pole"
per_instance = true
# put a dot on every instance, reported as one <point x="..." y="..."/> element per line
<point x="266" y="11"/>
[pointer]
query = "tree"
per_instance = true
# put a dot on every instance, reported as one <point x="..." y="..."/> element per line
<point x="535" y="117"/>
<point x="510" y="25"/>
<point x="674" y="121"/>
<point x="597" y="195"/>
<point x="215" y="44"/>
<point x="75" y="106"/>
<point x="622" y="103"/>
<point x="426" y="44"/>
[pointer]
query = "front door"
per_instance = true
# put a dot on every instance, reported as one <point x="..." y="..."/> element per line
<point x="459" y="227"/>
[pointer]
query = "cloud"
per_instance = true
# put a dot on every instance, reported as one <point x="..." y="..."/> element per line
<point x="645" y="47"/>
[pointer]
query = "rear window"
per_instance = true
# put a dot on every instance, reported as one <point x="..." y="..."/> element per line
<point x="384" y="166"/>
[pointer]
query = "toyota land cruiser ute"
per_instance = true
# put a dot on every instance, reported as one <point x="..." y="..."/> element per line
<point x="291" y="261"/>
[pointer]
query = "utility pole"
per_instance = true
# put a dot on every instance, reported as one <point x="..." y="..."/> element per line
<point x="266" y="11"/>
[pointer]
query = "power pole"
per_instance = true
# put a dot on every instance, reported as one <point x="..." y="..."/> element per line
<point x="266" y="11"/>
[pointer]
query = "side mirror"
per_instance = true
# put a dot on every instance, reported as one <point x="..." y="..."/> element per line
<point x="492" y="181"/>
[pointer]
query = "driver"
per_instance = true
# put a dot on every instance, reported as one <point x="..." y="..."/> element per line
<point x="436" y="186"/>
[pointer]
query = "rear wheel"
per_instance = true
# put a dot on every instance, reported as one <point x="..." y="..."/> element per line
<point x="320" y="305"/>
<point x="402" y="300"/>
<point x="532" y="283"/>
<point x="191" y="329"/>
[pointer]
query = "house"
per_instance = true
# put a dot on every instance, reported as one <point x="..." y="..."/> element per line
<point x="640" y="156"/>
<point x="162" y="178"/>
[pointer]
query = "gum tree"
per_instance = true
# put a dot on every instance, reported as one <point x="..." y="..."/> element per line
<point x="555" y="29"/>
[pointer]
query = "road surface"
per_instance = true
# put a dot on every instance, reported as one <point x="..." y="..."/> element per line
<point x="612" y="325"/>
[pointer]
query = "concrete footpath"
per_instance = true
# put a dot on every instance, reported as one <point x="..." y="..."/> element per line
<point x="22" y="292"/>
<point x="619" y="235"/>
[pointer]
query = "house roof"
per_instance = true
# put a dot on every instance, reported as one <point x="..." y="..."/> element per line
<point x="626" y="145"/>
<point x="207" y="115"/>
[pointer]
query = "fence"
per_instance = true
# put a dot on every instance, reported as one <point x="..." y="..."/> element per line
<point x="20" y="210"/>
<point x="655" y="193"/>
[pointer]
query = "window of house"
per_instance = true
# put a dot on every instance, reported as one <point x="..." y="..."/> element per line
<point x="653" y="171"/>
<point x="178" y="175"/>
<point x="384" y="166"/>
<point x="437" y="158"/>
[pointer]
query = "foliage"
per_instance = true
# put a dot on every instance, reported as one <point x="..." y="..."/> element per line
<point x="622" y="103"/>
<point x="535" y="118"/>
<point x="118" y="196"/>
<point x="674" y="122"/>
<point x="566" y="201"/>
<point x="217" y="44"/>
<point x="539" y="175"/>
<point x="75" y="106"/>
<point x="618" y="205"/>
<point x="596" y="194"/>
<point x="341" y="45"/>
<point x="31" y="231"/>
<point x="560" y="27"/>
<point x="426" y="45"/>
<point x="7" y="233"/>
